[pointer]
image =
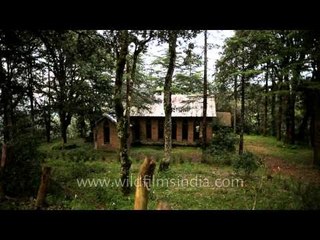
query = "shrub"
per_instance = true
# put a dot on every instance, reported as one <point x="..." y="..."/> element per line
<point x="177" y="158"/>
<point x="79" y="170"/>
<point x="247" y="163"/>
<point x="79" y="155"/>
<point x="222" y="146"/>
<point x="224" y="140"/>
<point x="61" y="146"/>
<point x="309" y="195"/>
<point x="22" y="174"/>
<point x="223" y="158"/>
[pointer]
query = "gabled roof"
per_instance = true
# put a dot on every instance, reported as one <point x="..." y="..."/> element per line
<point x="106" y="116"/>
<point x="182" y="106"/>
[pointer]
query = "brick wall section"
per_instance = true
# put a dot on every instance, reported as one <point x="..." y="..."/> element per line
<point x="209" y="129"/>
<point x="99" y="135"/>
<point x="190" y="131"/>
<point x="95" y="137"/>
<point x="179" y="129"/>
<point x="154" y="129"/>
<point x="114" y="140"/>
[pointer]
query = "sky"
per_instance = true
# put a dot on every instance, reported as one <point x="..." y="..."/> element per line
<point x="215" y="37"/>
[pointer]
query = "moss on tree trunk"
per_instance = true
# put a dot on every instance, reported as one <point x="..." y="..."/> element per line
<point x="122" y="124"/>
<point x="164" y="165"/>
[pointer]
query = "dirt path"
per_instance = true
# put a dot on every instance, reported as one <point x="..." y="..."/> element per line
<point x="279" y="166"/>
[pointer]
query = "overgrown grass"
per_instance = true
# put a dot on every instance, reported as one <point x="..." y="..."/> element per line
<point x="269" y="146"/>
<point x="179" y="154"/>
<point x="184" y="186"/>
<point x="75" y="150"/>
<point x="187" y="185"/>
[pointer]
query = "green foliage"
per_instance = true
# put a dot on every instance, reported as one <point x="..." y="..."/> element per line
<point x="223" y="158"/>
<point x="301" y="155"/>
<point x="247" y="163"/>
<point x="224" y="140"/>
<point x="61" y="146"/>
<point x="22" y="173"/>
<point x="256" y="193"/>
<point x="78" y="150"/>
<point x="179" y="154"/>
<point x="308" y="194"/>
<point x="185" y="84"/>
<point x="78" y="170"/>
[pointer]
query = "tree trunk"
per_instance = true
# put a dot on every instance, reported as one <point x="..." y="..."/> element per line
<point x="7" y="122"/>
<point x="316" y="115"/>
<point x="82" y="126"/>
<point x="48" y="127"/>
<point x="64" y="123"/>
<point x="128" y="100"/>
<point x="131" y="77"/>
<point x="92" y="129"/>
<point x="64" y="133"/>
<point x="2" y="165"/>
<point x="235" y="105"/>
<point x="31" y="108"/>
<point x="130" y="81"/>
<point x="6" y="101"/>
<point x="205" y="95"/>
<point x="279" y="115"/>
<point x="316" y="143"/>
<point x="143" y="186"/>
<point x="7" y="111"/>
<point x="65" y="117"/>
<point x="258" y="121"/>
<point x="41" y="196"/>
<point x="290" y="123"/>
<point x="273" y="106"/>
<point x="30" y="95"/>
<point x="315" y="77"/>
<point x="312" y="124"/>
<point x="287" y="110"/>
<point x="164" y="165"/>
<point x="48" y="113"/>
<point x="123" y="155"/>
<point x="122" y="124"/>
<point x="242" y="116"/>
<point x="265" y="117"/>
<point x="303" y="132"/>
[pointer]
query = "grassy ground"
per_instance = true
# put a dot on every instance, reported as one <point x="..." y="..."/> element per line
<point x="187" y="185"/>
<point x="268" y="146"/>
<point x="294" y="161"/>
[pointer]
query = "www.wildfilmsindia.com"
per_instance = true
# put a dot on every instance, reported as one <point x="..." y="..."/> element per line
<point x="195" y="182"/>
